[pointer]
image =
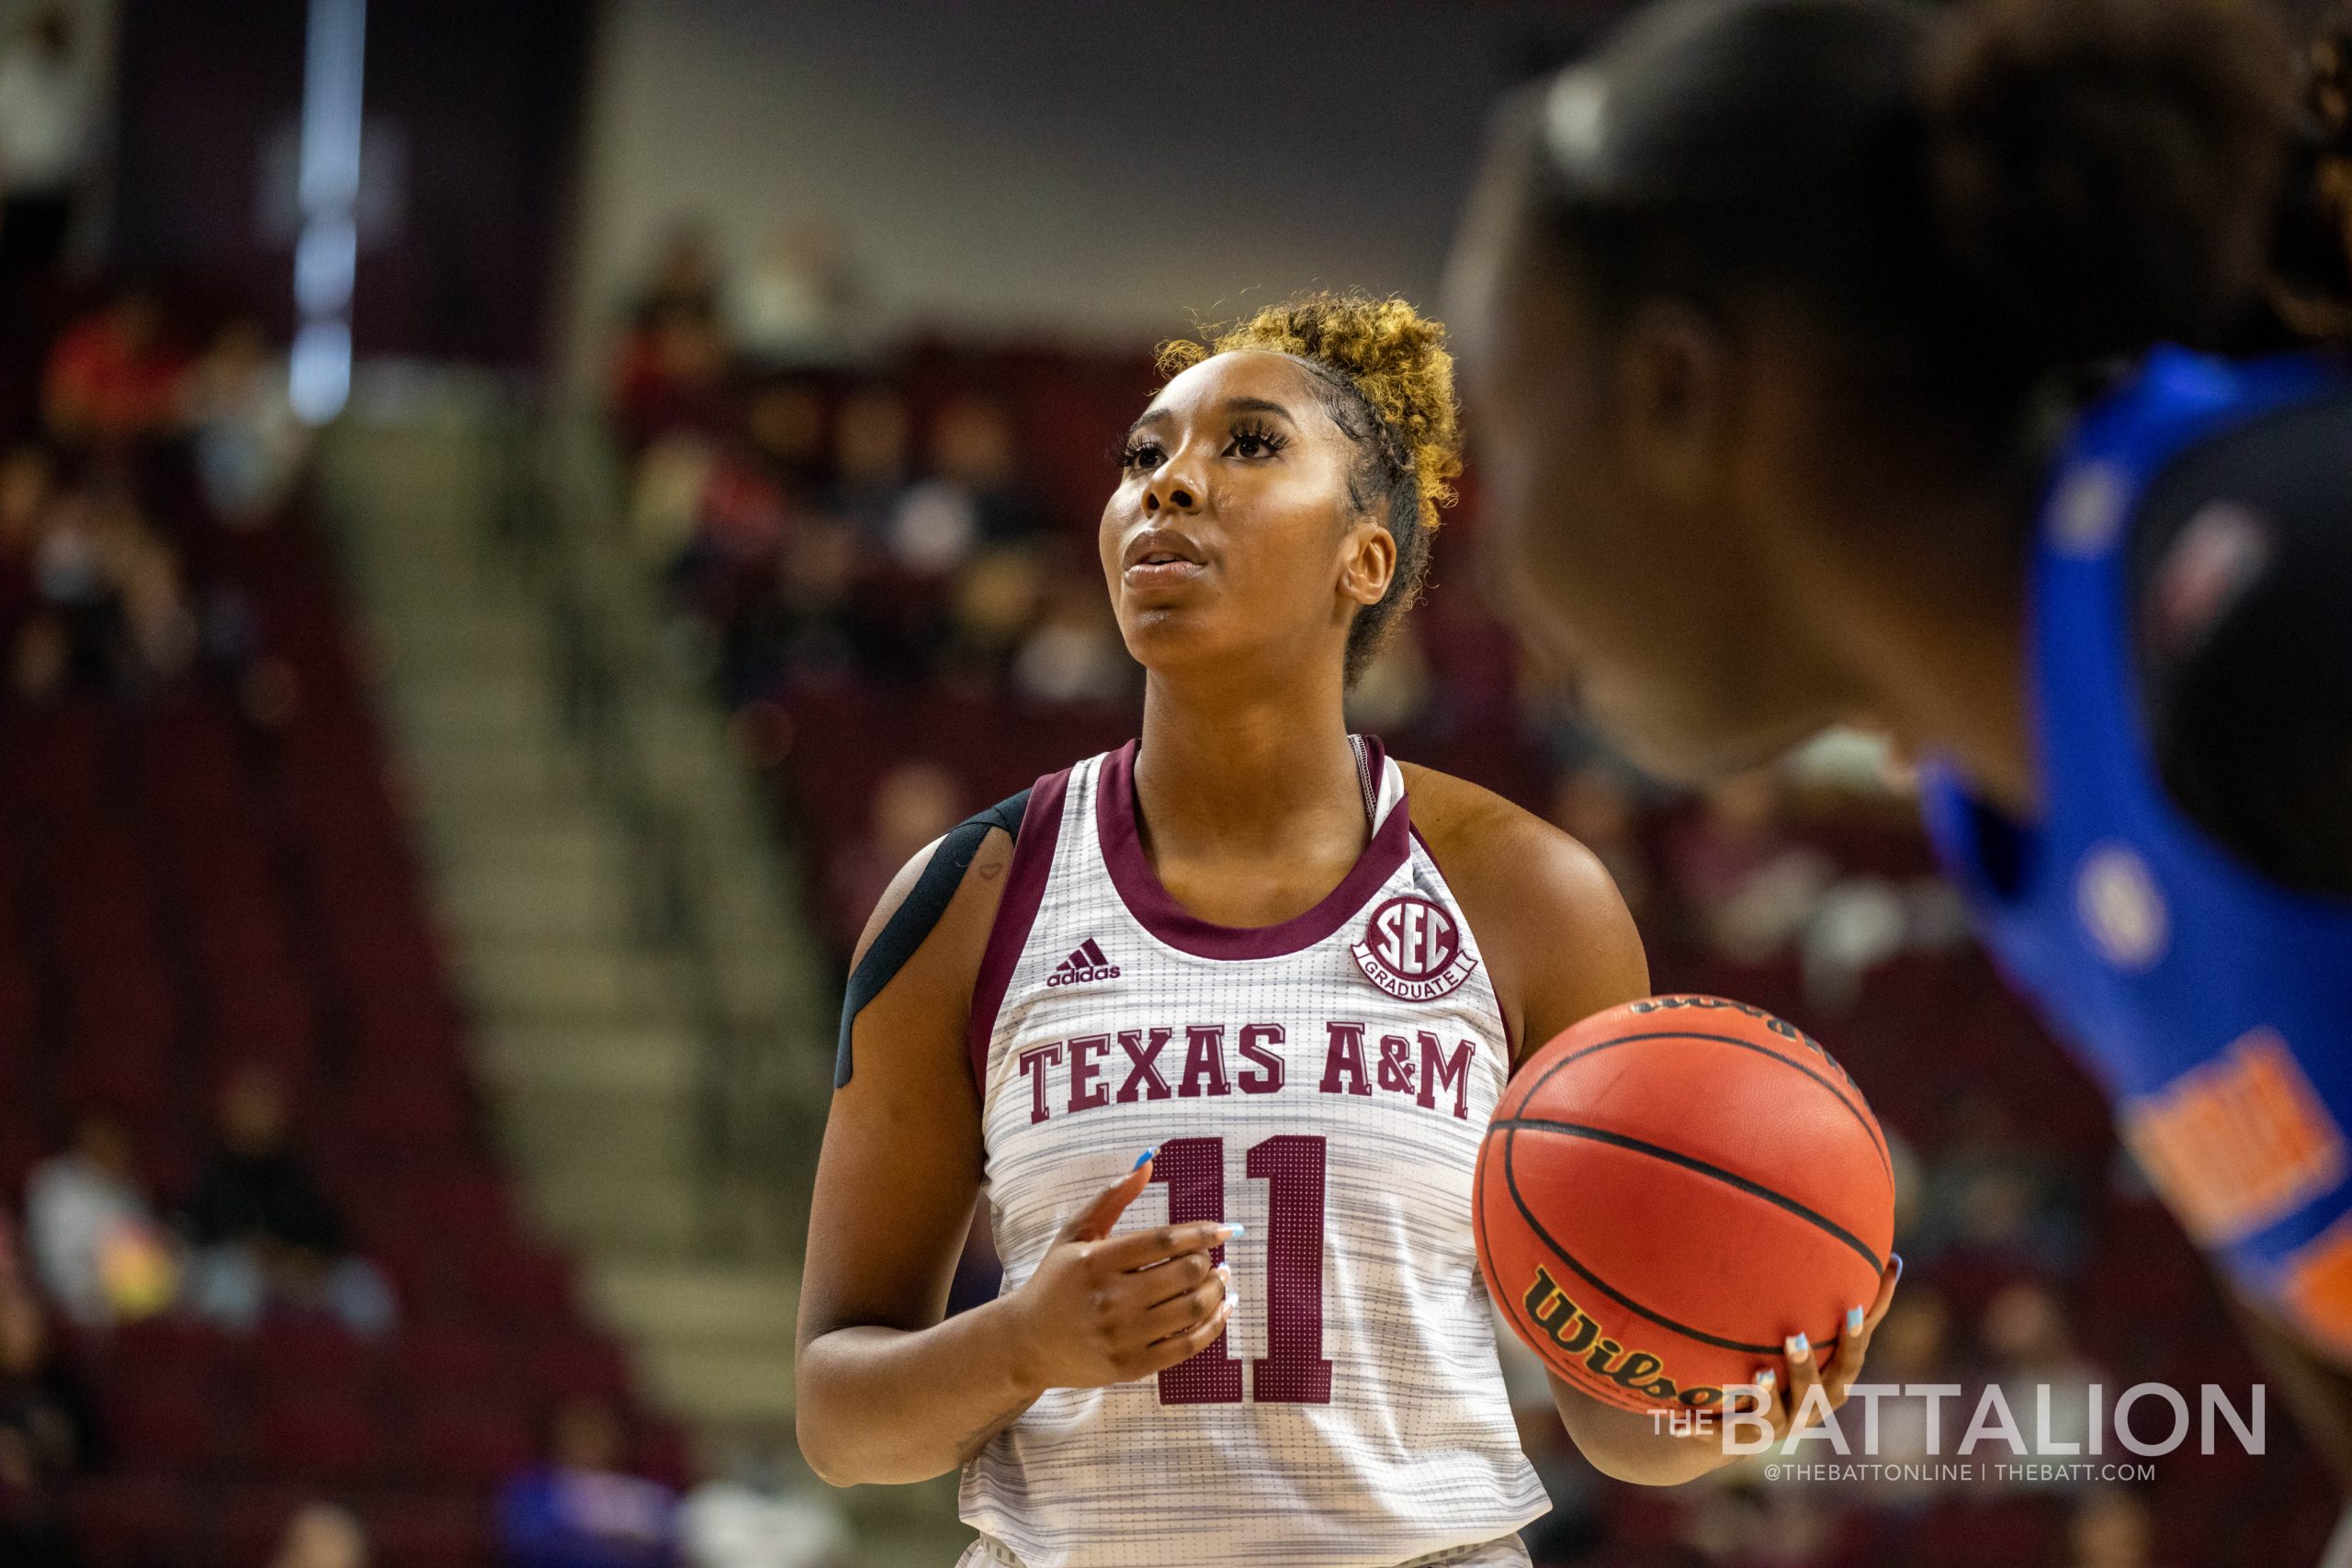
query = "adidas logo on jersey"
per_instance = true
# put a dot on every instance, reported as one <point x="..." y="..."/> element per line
<point x="1087" y="963"/>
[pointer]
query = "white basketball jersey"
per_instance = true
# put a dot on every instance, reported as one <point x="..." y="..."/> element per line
<point x="1324" y="1083"/>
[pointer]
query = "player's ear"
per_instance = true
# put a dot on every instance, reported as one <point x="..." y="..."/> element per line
<point x="1367" y="562"/>
<point x="1676" y="382"/>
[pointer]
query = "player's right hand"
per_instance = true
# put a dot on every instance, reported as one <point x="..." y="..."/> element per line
<point x="1103" y="1310"/>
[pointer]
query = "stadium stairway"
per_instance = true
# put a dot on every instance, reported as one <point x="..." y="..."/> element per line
<point x="627" y="1071"/>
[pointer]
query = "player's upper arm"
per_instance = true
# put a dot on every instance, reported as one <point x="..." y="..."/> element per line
<point x="1556" y="935"/>
<point x="901" y="1168"/>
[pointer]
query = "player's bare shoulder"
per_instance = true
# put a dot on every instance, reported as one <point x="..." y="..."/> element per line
<point x="1500" y="854"/>
<point x="1556" y="932"/>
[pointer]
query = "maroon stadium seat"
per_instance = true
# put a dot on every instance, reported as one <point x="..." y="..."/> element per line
<point x="474" y="1443"/>
<point x="577" y="1362"/>
<point x="131" y="1521"/>
<point x="250" y="1521"/>
<point x="315" y="1437"/>
<point x="173" y="1423"/>
<point x="437" y="1361"/>
<point x="520" y="1282"/>
<point x="308" y="1353"/>
<point x="427" y="1530"/>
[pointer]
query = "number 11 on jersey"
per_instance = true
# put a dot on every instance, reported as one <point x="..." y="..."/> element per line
<point x="1292" y="1371"/>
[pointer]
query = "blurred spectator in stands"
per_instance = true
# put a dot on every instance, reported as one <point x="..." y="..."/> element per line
<point x="2112" y="1529"/>
<point x="747" y="1518"/>
<point x="871" y="436"/>
<point x="162" y="634"/>
<point x="1859" y="923"/>
<point x="1594" y="804"/>
<point x="792" y="308"/>
<point x="25" y="478"/>
<point x="811" y="629"/>
<point x="963" y="517"/>
<point x="994" y="603"/>
<point x="913" y="803"/>
<point x="2026" y="1331"/>
<point x="758" y="496"/>
<point x="684" y="279"/>
<point x="47" y="105"/>
<point x="1761" y="1527"/>
<point x="111" y="614"/>
<point x="264" y="1232"/>
<point x="97" y="1245"/>
<point x="973" y="452"/>
<point x="671" y="375"/>
<point x="1751" y="888"/>
<point x="249" y="444"/>
<point x="671" y="371"/>
<point x="665" y="495"/>
<point x="783" y="430"/>
<point x="970" y="498"/>
<point x="322" y="1535"/>
<point x="754" y="488"/>
<point x="49" y="1433"/>
<point x="1994" y="1203"/>
<point x="112" y="378"/>
<point x="740" y="522"/>
<point x="580" y="1509"/>
<point x="1073" y="654"/>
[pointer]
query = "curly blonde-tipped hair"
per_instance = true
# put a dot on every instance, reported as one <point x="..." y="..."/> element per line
<point x="1388" y="385"/>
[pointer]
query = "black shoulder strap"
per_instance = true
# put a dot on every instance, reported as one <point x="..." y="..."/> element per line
<point x="913" y="920"/>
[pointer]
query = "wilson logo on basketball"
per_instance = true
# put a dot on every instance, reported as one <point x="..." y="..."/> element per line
<point x="1565" y="1325"/>
<point x="1413" y="950"/>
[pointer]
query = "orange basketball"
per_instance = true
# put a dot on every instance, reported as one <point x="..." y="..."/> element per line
<point x="1672" y="1189"/>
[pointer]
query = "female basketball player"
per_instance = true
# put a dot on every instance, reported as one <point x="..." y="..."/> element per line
<point x="1296" y="970"/>
<point x="1783" y="320"/>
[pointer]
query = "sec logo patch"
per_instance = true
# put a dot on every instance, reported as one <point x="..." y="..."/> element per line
<point x="1412" y="949"/>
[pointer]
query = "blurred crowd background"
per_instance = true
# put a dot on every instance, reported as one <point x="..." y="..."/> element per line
<point x="405" y="1117"/>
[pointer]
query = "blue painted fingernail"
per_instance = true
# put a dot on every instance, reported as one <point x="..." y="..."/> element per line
<point x="1854" y="1317"/>
<point x="1898" y="1264"/>
<point x="1766" y="1378"/>
<point x="1235" y="1233"/>
<point x="1144" y="1158"/>
<point x="1799" y="1347"/>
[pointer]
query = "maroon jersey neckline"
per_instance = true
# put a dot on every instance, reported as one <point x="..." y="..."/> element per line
<point x="1158" y="911"/>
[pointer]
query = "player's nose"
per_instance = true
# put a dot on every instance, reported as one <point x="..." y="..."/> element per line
<point x="1174" y="488"/>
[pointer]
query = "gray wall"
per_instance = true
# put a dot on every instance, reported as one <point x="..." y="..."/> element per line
<point x="1024" y="166"/>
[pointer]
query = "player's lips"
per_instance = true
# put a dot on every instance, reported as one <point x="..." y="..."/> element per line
<point x="1162" y="557"/>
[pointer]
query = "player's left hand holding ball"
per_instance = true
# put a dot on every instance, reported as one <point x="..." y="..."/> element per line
<point x="1793" y="1408"/>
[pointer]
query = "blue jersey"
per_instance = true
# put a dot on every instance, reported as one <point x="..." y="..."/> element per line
<point x="2213" y="1005"/>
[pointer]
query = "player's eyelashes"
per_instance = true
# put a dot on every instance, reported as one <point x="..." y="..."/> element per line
<point x="1256" y="441"/>
<point x="1251" y="442"/>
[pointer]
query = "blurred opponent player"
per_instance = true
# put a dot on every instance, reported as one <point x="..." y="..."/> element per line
<point x="1839" y="359"/>
<point x="1296" y="968"/>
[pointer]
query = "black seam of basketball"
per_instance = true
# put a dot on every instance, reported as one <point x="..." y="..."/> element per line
<point x="1877" y="1143"/>
<point x="1675" y="1156"/>
<point x="1511" y="1181"/>
<point x="1516" y="1307"/>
